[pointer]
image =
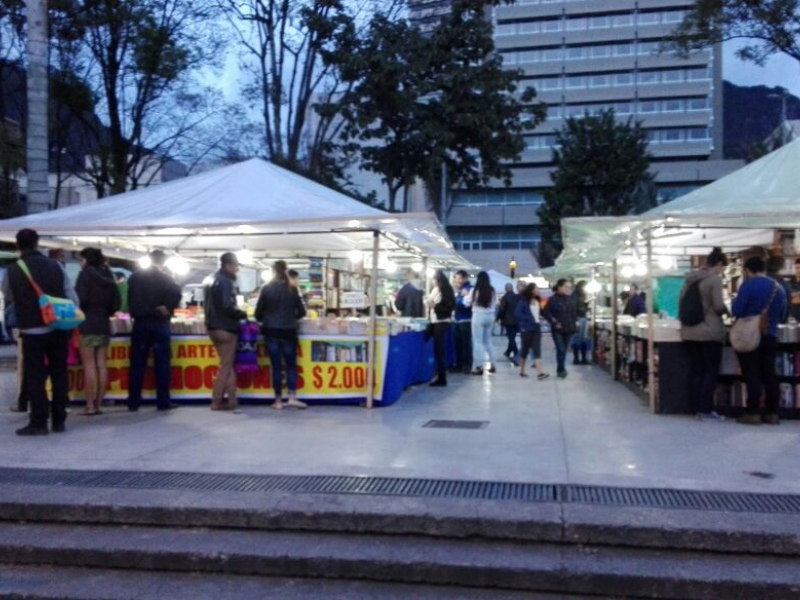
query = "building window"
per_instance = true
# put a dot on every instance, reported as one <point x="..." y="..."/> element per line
<point x="601" y="22"/>
<point x="551" y="26"/>
<point x="529" y="56"/>
<point x="652" y="18"/>
<point x="649" y="78"/>
<point x="672" y="136"/>
<point x="625" y="20"/>
<point x="698" y="134"/>
<point x="672" y="106"/>
<point x="506" y="29"/>
<point x="509" y="58"/>
<point x="623" y="49"/>
<point x="674" y="76"/>
<point x="576" y="82"/>
<point x="577" y="24"/>
<point x="648" y="107"/>
<point x="553" y="54"/>
<point x="674" y="16"/>
<point x="533" y="27"/>
<point x="697" y="74"/>
<point x="601" y="51"/>
<point x="498" y="197"/>
<point x="495" y="238"/>
<point x="598" y="81"/>
<point x="697" y="104"/>
<point x="622" y="79"/>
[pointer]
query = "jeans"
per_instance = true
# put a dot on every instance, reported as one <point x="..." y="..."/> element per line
<point x="511" y="334"/>
<point x="150" y="334"/>
<point x="463" y="339"/>
<point x="439" y="333"/>
<point x="758" y="369"/>
<point x="562" y="341"/>
<point x="705" y="358"/>
<point x="581" y="339"/>
<point x="283" y="351"/>
<point x="45" y="356"/>
<point x="482" y="324"/>
<point x="225" y="343"/>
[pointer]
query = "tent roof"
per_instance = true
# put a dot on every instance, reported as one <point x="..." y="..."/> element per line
<point x="765" y="194"/>
<point x="253" y="204"/>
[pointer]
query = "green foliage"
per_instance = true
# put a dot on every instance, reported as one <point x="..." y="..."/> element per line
<point x="418" y="101"/>
<point x="770" y="26"/>
<point x="601" y="169"/>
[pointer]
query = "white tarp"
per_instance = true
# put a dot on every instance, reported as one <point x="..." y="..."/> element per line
<point x="254" y="205"/>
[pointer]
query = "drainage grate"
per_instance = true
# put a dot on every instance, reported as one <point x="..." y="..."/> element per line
<point x="427" y="488"/>
<point x="456" y="424"/>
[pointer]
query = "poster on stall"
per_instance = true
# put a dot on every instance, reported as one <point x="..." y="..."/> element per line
<point x="329" y="367"/>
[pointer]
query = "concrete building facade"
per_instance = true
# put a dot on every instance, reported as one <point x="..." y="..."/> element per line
<point x="584" y="56"/>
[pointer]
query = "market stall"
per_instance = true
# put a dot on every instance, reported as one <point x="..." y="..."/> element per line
<point x="759" y="205"/>
<point x="265" y="213"/>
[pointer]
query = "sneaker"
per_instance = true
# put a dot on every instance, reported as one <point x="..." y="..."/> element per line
<point x="562" y="375"/>
<point x="295" y="403"/>
<point x="30" y="430"/>
<point x="523" y="374"/>
<point x="749" y="420"/>
<point x="477" y="372"/>
<point x="492" y="369"/>
<point x="543" y="376"/>
<point x="771" y="419"/>
<point x="709" y="416"/>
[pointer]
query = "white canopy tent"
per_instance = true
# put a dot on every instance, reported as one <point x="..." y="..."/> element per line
<point x="254" y="205"/>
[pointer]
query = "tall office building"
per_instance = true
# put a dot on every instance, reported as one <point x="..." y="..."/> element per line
<point x="586" y="56"/>
<point x="426" y="14"/>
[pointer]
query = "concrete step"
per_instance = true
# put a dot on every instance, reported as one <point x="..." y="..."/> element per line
<point x="64" y="583"/>
<point x="696" y="531"/>
<point x="534" y="567"/>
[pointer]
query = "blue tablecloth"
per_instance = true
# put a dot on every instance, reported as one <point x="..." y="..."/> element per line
<point x="411" y="362"/>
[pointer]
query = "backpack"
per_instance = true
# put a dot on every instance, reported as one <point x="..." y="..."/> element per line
<point x="690" y="310"/>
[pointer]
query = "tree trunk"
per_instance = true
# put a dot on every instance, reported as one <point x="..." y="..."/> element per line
<point x="38" y="192"/>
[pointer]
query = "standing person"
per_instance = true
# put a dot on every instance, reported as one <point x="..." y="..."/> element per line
<point x="122" y="284"/>
<point x="703" y="332"/>
<point x="528" y="314"/>
<point x="100" y="299"/>
<point x="46" y="349"/>
<point x="222" y="322"/>
<point x="410" y="300"/>
<point x="562" y="316"/>
<point x="760" y="295"/>
<point x="152" y="298"/>
<point x="441" y="302"/>
<point x="483" y="302"/>
<point x="581" y="343"/>
<point x="636" y="303"/>
<point x="463" y="319"/>
<point x="506" y="314"/>
<point x="278" y="310"/>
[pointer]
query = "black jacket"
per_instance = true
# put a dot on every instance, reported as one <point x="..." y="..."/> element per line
<point x="409" y="301"/>
<point x="99" y="295"/>
<point x="221" y="310"/>
<point x="279" y="306"/>
<point x="561" y="313"/>
<point x="581" y="305"/>
<point x="150" y="288"/>
<point x="508" y="308"/>
<point x="47" y="273"/>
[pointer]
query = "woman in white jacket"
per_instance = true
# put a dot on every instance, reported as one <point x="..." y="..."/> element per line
<point x="483" y="301"/>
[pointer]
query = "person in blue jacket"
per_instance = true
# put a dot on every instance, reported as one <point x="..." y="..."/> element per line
<point x="528" y="314"/>
<point x="463" y="325"/>
<point x="760" y="294"/>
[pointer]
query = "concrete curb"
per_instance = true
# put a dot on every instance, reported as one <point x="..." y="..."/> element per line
<point x="751" y="533"/>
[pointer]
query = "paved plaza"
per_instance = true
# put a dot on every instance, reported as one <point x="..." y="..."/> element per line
<point x="586" y="429"/>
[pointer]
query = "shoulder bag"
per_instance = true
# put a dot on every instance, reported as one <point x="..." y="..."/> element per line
<point x="746" y="332"/>
<point x="59" y="313"/>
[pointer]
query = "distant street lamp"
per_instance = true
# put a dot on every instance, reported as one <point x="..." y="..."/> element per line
<point x="512" y="267"/>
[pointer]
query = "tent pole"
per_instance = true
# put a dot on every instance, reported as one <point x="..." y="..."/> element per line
<point x="373" y="314"/>
<point x="651" y="329"/>
<point x="425" y="278"/>
<point x="614" y="317"/>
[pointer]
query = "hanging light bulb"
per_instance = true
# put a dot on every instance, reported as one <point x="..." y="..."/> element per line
<point x="593" y="287"/>
<point x="640" y="270"/>
<point x="265" y="276"/>
<point x="417" y="267"/>
<point x="356" y="256"/>
<point x="145" y="262"/>
<point x="177" y="265"/>
<point x="626" y="272"/>
<point x="245" y="256"/>
<point x="390" y="266"/>
<point x="430" y="272"/>
<point x="666" y="263"/>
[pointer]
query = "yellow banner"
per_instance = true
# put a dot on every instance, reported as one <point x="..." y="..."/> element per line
<point x="328" y="367"/>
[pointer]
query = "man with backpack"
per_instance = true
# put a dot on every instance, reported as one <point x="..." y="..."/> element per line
<point x="701" y="309"/>
<point x="45" y="347"/>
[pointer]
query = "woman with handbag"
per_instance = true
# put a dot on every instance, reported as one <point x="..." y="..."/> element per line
<point x="99" y="300"/>
<point x="759" y="308"/>
<point x="441" y="302"/>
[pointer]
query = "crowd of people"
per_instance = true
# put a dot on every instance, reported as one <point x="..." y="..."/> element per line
<point x="472" y="311"/>
<point x="151" y="297"/>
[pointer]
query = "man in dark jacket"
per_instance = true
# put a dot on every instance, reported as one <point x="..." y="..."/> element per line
<point x="506" y="315"/>
<point x="152" y="298"/>
<point x="636" y="304"/>
<point x="222" y="322"/>
<point x="46" y="349"/>
<point x="409" y="300"/>
<point x="560" y="312"/>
